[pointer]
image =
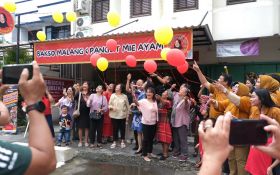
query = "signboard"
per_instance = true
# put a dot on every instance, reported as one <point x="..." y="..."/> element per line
<point x="6" y="21"/>
<point x="56" y="85"/>
<point x="10" y="100"/>
<point x="143" y="46"/>
<point x="238" y="48"/>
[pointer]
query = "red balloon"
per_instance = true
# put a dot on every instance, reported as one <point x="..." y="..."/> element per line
<point x="130" y="61"/>
<point x="183" y="68"/>
<point x="112" y="45"/>
<point x="93" y="59"/>
<point x="175" y="57"/>
<point x="150" y="66"/>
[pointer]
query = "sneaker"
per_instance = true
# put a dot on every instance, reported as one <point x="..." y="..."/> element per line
<point x="86" y="144"/>
<point x="80" y="144"/>
<point x="152" y="155"/>
<point x="113" y="146"/>
<point x="183" y="158"/>
<point x="67" y="144"/>
<point x="123" y="145"/>
<point x="59" y="144"/>
<point x="147" y="159"/>
<point x="175" y="155"/>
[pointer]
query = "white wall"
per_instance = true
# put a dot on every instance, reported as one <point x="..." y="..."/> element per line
<point x="247" y="20"/>
<point x="269" y="52"/>
<point x="162" y="12"/>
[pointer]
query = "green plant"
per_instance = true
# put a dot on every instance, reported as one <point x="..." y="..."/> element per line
<point x="10" y="56"/>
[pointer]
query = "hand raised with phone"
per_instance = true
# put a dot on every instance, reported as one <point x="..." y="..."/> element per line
<point x="273" y="149"/>
<point x="28" y="87"/>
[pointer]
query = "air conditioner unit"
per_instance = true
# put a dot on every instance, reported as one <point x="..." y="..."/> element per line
<point x="83" y="22"/>
<point x="83" y="33"/>
<point x="82" y="6"/>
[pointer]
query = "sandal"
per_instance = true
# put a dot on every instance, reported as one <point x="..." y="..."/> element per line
<point x="123" y="145"/>
<point x="113" y="146"/>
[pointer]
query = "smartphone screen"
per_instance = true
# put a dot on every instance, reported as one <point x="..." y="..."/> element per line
<point x="248" y="132"/>
<point x="11" y="73"/>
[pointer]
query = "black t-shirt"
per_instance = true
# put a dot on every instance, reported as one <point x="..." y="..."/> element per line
<point x="14" y="159"/>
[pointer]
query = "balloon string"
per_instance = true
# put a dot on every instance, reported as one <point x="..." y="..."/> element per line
<point x="208" y="78"/>
<point x="174" y="77"/>
<point x="103" y="81"/>
<point x="115" y="64"/>
<point x="103" y="78"/>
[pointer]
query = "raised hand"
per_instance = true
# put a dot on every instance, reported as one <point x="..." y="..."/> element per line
<point x="128" y="76"/>
<point x="29" y="87"/>
<point x="273" y="149"/>
<point x="196" y="67"/>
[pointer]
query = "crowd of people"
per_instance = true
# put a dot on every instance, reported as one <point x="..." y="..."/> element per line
<point x="157" y="111"/>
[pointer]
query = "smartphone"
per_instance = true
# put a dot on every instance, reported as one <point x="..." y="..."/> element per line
<point x="247" y="132"/>
<point x="11" y="73"/>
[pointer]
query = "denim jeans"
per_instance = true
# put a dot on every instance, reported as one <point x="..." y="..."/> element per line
<point x="65" y="134"/>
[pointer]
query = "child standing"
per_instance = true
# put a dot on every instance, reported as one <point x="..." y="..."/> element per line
<point x="65" y="126"/>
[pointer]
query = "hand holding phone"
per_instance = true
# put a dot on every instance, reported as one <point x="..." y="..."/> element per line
<point x="247" y="132"/>
<point x="11" y="73"/>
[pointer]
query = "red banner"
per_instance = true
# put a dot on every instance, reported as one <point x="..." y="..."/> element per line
<point x="143" y="46"/>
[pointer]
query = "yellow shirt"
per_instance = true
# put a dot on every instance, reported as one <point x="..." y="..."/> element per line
<point x="218" y="96"/>
<point x="242" y="111"/>
<point x="273" y="112"/>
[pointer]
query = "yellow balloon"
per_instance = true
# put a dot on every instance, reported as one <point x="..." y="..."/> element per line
<point x="41" y="36"/>
<point x="10" y="6"/>
<point x="102" y="64"/>
<point x="71" y="16"/>
<point x="57" y="17"/>
<point x="113" y="18"/>
<point x="163" y="53"/>
<point x="163" y="35"/>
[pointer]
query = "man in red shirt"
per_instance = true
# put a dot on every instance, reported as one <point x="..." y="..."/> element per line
<point x="48" y="100"/>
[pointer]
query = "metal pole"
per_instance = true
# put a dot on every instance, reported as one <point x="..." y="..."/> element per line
<point x="120" y="27"/>
<point x="18" y="38"/>
<point x="203" y="19"/>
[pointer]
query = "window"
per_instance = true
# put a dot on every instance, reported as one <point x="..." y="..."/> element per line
<point x="100" y="8"/>
<point x="182" y="5"/>
<point x="232" y="2"/>
<point x="71" y="71"/>
<point x="58" y="32"/>
<point x="140" y="8"/>
<point x="32" y="35"/>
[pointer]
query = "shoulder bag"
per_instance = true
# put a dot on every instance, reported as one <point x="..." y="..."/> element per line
<point x="76" y="113"/>
<point x="94" y="115"/>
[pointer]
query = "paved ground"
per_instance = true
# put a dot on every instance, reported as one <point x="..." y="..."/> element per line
<point x="113" y="159"/>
